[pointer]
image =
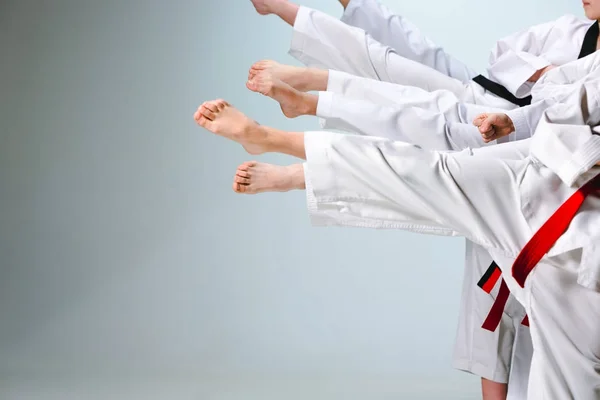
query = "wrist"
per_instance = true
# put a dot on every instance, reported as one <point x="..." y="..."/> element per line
<point x="536" y="76"/>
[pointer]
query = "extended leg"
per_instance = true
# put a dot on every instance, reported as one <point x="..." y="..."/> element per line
<point x="346" y="168"/>
<point x="440" y="129"/>
<point x="322" y="41"/>
<point x="403" y="36"/>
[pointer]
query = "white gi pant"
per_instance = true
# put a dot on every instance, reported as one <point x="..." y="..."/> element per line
<point x="398" y="112"/>
<point x="404" y="37"/>
<point x="322" y="41"/>
<point x="501" y="356"/>
<point x="497" y="203"/>
<point x="487" y="354"/>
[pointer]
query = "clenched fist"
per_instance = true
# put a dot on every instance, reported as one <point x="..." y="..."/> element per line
<point x="493" y="126"/>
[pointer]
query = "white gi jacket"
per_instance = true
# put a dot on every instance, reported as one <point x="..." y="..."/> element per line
<point x="562" y="84"/>
<point x="517" y="57"/>
<point x="497" y="197"/>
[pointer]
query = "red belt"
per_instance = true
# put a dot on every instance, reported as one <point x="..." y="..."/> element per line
<point x="532" y="253"/>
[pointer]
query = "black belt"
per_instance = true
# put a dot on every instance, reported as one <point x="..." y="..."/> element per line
<point x="501" y="91"/>
<point x="487" y="283"/>
<point x="590" y="41"/>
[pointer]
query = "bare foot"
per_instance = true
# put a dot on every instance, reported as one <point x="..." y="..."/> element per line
<point x="221" y="118"/>
<point x="254" y="177"/>
<point x="293" y="102"/>
<point x="266" y="7"/>
<point x="296" y="77"/>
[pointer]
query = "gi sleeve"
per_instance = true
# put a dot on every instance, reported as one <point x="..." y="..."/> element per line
<point x="517" y="57"/>
<point x="576" y="84"/>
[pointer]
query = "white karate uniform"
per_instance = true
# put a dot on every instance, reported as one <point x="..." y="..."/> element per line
<point x="558" y="85"/>
<point x="517" y="57"/>
<point x="478" y="351"/>
<point x="322" y="41"/>
<point x="431" y="131"/>
<point x="404" y="37"/>
<point x="381" y="109"/>
<point x="497" y="197"/>
<point x="405" y="113"/>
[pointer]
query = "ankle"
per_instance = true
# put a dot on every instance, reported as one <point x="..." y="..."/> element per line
<point x="295" y="177"/>
<point x="278" y="7"/>
<point x="269" y="140"/>
<point x="309" y="104"/>
<point x="318" y="79"/>
<point x="304" y="81"/>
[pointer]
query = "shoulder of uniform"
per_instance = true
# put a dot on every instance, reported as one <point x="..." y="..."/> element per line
<point x="574" y="19"/>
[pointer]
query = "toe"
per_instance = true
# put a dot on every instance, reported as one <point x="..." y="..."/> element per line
<point x="259" y="65"/>
<point x="211" y="107"/>
<point x="241" y="180"/>
<point x="220" y="103"/>
<point x="209" y="115"/>
<point x="202" y="121"/>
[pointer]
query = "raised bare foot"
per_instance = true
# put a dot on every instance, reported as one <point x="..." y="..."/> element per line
<point x="296" y="77"/>
<point x="254" y="177"/>
<point x="221" y="118"/>
<point x="293" y="102"/>
<point x="266" y="7"/>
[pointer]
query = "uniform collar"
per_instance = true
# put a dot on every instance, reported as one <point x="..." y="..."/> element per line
<point x="568" y="150"/>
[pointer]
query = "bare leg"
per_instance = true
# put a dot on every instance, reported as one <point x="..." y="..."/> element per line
<point x="344" y="3"/>
<point x="493" y="390"/>
<point x="293" y="102"/>
<point x="300" y="78"/>
<point x="254" y="177"/>
<point x="284" y="9"/>
<point x="219" y="117"/>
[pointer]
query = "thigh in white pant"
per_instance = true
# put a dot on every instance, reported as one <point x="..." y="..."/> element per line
<point x="322" y="41"/>
<point x="404" y="37"/>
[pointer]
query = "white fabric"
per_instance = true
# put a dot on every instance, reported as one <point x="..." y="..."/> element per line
<point x="486" y="354"/>
<point x="411" y="124"/>
<point x="492" y="359"/>
<point x="434" y="120"/>
<point x="560" y="85"/>
<point x="521" y="358"/>
<point x="497" y="203"/>
<point x="503" y="355"/>
<point x="322" y="41"/>
<point x="517" y="57"/>
<point x="404" y="37"/>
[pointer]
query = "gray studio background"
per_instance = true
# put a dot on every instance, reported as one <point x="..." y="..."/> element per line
<point x="128" y="267"/>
